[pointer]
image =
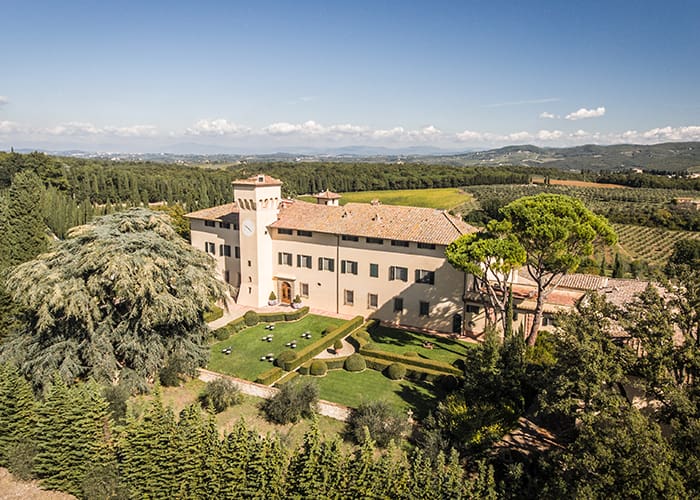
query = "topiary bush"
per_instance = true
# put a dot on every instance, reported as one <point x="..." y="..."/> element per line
<point x="285" y="356"/>
<point x="396" y="371"/>
<point x="294" y="400"/>
<point x="355" y="363"/>
<point x="251" y="318"/>
<point x="318" y="368"/>
<point x="219" y="394"/>
<point x="338" y="345"/>
<point x="222" y="334"/>
<point x="363" y="335"/>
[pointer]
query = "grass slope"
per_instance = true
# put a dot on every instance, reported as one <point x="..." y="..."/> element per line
<point x="402" y="341"/>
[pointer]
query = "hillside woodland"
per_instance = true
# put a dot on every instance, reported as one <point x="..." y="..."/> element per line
<point x="606" y="406"/>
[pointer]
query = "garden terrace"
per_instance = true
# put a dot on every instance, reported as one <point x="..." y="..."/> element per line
<point x="427" y="346"/>
<point x="248" y="347"/>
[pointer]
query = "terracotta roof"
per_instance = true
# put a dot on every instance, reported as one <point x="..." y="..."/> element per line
<point x="327" y="195"/>
<point x="621" y="292"/>
<point x="220" y="212"/>
<point x="424" y="225"/>
<point x="581" y="281"/>
<point x="259" y="180"/>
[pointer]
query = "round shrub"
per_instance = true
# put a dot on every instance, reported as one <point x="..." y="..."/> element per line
<point x="338" y="345"/>
<point x="222" y="334"/>
<point x="284" y="357"/>
<point x="294" y="400"/>
<point x="396" y="371"/>
<point x="411" y="354"/>
<point x="219" y="394"/>
<point x="318" y="367"/>
<point x="251" y="318"/>
<point x="363" y="335"/>
<point x="370" y="346"/>
<point x="376" y="420"/>
<point x="355" y="363"/>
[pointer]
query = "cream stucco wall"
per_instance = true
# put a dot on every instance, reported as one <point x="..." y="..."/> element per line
<point x="201" y="234"/>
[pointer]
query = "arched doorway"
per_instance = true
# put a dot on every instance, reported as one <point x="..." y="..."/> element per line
<point x="286" y="292"/>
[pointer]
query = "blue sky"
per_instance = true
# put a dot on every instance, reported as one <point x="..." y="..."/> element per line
<point x="262" y="76"/>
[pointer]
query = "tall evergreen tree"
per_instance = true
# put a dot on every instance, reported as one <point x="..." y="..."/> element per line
<point x="26" y="231"/>
<point x="18" y="420"/>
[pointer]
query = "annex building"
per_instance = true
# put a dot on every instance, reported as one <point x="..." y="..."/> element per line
<point x="379" y="261"/>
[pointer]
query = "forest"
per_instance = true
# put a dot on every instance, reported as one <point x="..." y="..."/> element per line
<point x="92" y="315"/>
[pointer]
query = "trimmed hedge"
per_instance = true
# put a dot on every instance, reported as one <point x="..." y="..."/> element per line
<point x="318" y="368"/>
<point x="242" y="323"/>
<point x="411" y="354"/>
<point x="269" y="376"/>
<point x="376" y="364"/>
<point x="411" y="362"/>
<point x="288" y="377"/>
<point x="251" y="318"/>
<point x="319" y="345"/>
<point x="284" y="356"/>
<point x="226" y="331"/>
<point x="396" y="371"/>
<point x="297" y="314"/>
<point x="213" y="313"/>
<point x="335" y="363"/>
<point x="355" y="363"/>
<point x="412" y="372"/>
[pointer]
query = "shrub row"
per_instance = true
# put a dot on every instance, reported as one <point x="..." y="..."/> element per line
<point x="269" y="376"/>
<point x="213" y="313"/>
<point x="412" y="372"/>
<point x="322" y="343"/>
<point x="410" y="361"/>
<point x="251" y="318"/>
<point x="287" y="378"/>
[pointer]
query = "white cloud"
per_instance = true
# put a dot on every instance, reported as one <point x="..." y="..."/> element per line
<point x="132" y="131"/>
<point x="7" y="127"/>
<point x="74" y="128"/>
<point x="3" y="100"/>
<point x="663" y="134"/>
<point x="586" y="113"/>
<point x="549" y="135"/>
<point x="547" y="115"/>
<point x="219" y="126"/>
<point x="519" y="136"/>
<point x="77" y="129"/>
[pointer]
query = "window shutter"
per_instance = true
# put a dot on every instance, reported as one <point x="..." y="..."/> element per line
<point x="320" y="263"/>
<point x="392" y="273"/>
<point x="298" y="260"/>
<point x="342" y="266"/>
<point x="331" y="264"/>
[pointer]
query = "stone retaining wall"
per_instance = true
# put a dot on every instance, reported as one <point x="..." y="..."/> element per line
<point x="326" y="408"/>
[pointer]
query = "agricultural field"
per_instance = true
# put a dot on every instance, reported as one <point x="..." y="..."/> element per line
<point x="441" y="198"/>
<point x="651" y="244"/>
<point x="248" y="346"/>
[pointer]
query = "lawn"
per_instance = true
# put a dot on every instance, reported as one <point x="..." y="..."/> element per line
<point x="351" y="389"/>
<point x="443" y="198"/>
<point x="402" y="341"/>
<point x="247" y="346"/>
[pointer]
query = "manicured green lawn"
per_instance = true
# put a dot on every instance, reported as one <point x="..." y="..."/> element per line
<point x="443" y="198"/>
<point x="402" y="341"/>
<point x="247" y="346"/>
<point x="351" y="389"/>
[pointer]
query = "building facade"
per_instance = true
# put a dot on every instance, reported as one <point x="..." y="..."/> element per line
<point x="384" y="262"/>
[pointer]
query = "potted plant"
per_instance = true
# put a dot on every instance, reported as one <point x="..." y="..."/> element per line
<point x="272" y="299"/>
<point x="296" y="303"/>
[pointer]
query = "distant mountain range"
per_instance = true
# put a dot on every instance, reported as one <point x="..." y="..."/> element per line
<point x="670" y="157"/>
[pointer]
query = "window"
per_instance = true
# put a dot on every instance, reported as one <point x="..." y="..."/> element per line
<point x="398" y="273"/>
<point x="376" y="241"/>
<point x="372" y="301"/>
<point x="374" y="270"/>
<point x="250" y="263"/>
<point x="283" y="230"/>
<point x="284" y="258"/>
<point x="225" y="225"/>
<point x="398" y="305"/>
<point x="347" y="237"/>
<point x="235" y="224"/>
<point x="304" y="233"/>
<point x="349" y="297"/>
<point x="423" y="276"/>
<point x="227" y="275"/>
<point x="209" y="223"/>
<point x="348" y="266"/>
<point x="472" y="309"/>
<point x="237" y="252"/>
<point x="399" y="243"/>
<point x="225" y="250"/>
<point x="549" y="321"/>
<point x="210" y="247"/>
<point x="304" y="261"/>
<point x="424" y="308"/>
<point x="325" y="264"/>
<point x="304" y="290"/>
<point x="427" y="246"/>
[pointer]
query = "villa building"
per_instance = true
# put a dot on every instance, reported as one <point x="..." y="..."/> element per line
<point x="368" y="259"/>
<point x="385" y="262"/>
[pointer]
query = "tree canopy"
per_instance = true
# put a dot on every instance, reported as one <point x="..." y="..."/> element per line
<point x="117" y="300"/>
<point x="557" y="232"/>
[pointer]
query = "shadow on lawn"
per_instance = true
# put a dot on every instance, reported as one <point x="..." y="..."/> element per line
<point x="422" y="397"/>
<point x="403" y="338"/>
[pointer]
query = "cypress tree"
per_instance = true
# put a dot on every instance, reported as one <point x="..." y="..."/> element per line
<point x="18" y="421"/>
<point x="26" y="232"/>
<point x="361" y="471"/>
<point x="305" y="478"/>
<point x="235" y="454"/>
<point x="72" y="434"/>
<point x="618" y="268"/>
